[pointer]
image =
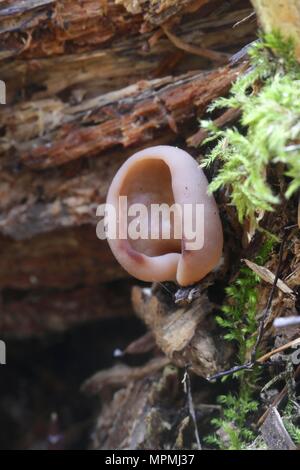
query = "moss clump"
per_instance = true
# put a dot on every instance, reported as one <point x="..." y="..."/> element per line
<point x="268" y="96"/>
<point x="290" y="415"/>
<point x="239" y="322"/>
<point x="269" y="99"/>
<point x="234" y="432"/>
<point x="239" y="313"/>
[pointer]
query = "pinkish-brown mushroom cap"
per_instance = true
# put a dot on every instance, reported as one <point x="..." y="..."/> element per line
<point x="165" y="174"/>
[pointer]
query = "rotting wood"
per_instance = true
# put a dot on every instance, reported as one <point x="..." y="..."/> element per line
<point x="69" y="196"/>
<point x="139" y="415"/>
<point x="128" y="117"/>
<point x="70" y="94"/>
<point x="41" y="311"/>
<point x="60" y="259"/>
<point x="120" y="375"/>
<point x="150" y="411"/>
<point x="228" y="117"/>
<point x="87" y="69"/>
<point x="188" y="335"/>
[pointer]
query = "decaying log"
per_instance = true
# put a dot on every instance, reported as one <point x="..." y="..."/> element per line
<point x="226" y="118"/>
<point x="149" y="410"/>
<point x="141" y="414"/>
<point x="187" y="335"/>
<point x="42" y="311"/>
<point x="158" y="11"/>
<point x="48" y="217"/>
<point x="77" y="54"/>
<point x="128" y="117"/>
<point x="41" y="28"/>
<point x="61" y="259"/>
<point x="56" y="27"/>
<point x="34" y="203"/>
<point x="120" y="375"/>
<point x="44" y="27"/>
<point x="88" y="84"/>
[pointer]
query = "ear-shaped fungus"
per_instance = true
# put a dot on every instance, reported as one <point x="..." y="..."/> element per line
<point x="166" y="175"/>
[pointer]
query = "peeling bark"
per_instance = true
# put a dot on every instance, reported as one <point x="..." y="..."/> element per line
<point x="41" y="311"/>
<point x="187" y="335"/>
<point x="129" y="117"/>
<point x="61" y="259"/>
<point x="78" y="53"/>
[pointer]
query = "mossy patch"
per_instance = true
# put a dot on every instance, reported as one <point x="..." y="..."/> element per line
<point x="240" y="324"/>
<point x="269" y="98"/>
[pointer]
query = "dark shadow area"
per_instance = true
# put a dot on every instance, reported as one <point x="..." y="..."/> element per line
<point x="43" y="376"/>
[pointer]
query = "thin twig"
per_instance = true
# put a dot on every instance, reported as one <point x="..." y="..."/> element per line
<point x="233" y="370"/>
<point x="219" y="57"/>
<point x="288" y="345"/>
<point x="261" y="328"/>
<point x="238" y="23"/>
<point x="278" y="399"/>
<point x="188" y="390"/>
<point x="166" y="289"/>
<point x="227" y="117"/>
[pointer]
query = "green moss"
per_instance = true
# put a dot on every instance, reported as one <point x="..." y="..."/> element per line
<point x="268" y="96"/>
<point x="291" y="427"/>
<point x="270" y="131"/>
<point x="235" y="434"/>
<point x="293" y="430"/>
<point x="239" y="313"/>
<point x="239" y="321"/>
